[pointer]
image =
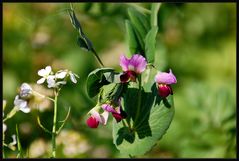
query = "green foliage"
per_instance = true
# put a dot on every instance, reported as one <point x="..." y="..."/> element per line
<point x="96" y="79"/>
<point x="148" y="119"/>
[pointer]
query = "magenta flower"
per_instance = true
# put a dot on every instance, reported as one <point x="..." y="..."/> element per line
<point x="96" y="118"/>
<point x="117" y="113"/>
<point x="163" y="81"/>
<point x="131" y="67"/>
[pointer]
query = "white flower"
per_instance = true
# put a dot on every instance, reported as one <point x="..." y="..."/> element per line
<point x="21" y="104"/>
<point x="25" y="90"/>
<point x="4" y="127"/>
<point x="72" y="77"/>
<point x="51" y="81"/>
<point x="44" y="73"/>
<point x="14" y="141"/>
<point x="61" y="74"/>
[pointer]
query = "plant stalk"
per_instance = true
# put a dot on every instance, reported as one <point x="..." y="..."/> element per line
<point x="54" y="126"/>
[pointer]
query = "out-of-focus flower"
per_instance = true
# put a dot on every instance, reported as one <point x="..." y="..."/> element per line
<point x="4" y="103"/>
<point x="73" y="76"/>
<point x="4" y="127"/>
<point x="14" y="141"/>
<point x="132" y="67"/>
<point x="21" y="104"/>
<point x="25" y="91"/>
<point x="163" y="81"/>
<point x="37" y="148"/>
<point x="44" y="73"/>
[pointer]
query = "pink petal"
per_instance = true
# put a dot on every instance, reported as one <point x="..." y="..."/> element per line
<point x="104" y="117"/>
<point x="108" y="108"/>
<point x="165" y="78"/>
<point x="138" y="62"/>
<point x="124" y="62"/>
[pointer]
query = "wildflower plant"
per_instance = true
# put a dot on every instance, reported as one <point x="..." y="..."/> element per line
<point x="55" y="81"/>
<point x="140" y="96"/>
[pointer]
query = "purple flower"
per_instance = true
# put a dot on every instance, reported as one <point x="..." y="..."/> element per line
<point x="131" y="67"/>
<point x="164" y="80"/>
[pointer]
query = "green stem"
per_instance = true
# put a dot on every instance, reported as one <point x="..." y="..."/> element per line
<point x="54" y="126"/>
<point x="139" y="102"/>
<point x="11" y="113"/>
<point x="41" y="95"/>
<point x="3" y="139"/>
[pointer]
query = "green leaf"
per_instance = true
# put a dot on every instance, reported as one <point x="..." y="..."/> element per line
<point x="19" y="147"/>
<point x="96" y="79"/>
<point x="155" y="116"/>
<point x="154" y="14"/>
<point x="141" y="27"/>
<point x="150" y="44"/>
<point x="132" y="40"/>
<point x="82" y="40"/>
<point x="139" y="21"/>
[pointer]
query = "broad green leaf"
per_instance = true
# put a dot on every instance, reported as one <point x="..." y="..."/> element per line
<point x="150" y="44"/>
<point x="139" y="21"/>
<point x="96" y="79"/>
<point x="132" y="40"/>
<point x="148" y="124"/>
<point x="141" y="27"/>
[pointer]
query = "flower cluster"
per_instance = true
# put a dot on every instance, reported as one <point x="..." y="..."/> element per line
<point x="132" y="68"/>
<point x="57" y="79"/>
<point x="96" y="118"/>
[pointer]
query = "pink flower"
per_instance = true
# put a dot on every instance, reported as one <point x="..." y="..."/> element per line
<point x="117" y="113"/>
<point x="131" y="67"/>
<point x="96" y="118"/>
<point x="164" y="80"/>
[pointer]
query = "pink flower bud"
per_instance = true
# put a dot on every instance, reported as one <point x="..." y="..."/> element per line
<point x="164" y="90"/>
<point x="92" y="122"/>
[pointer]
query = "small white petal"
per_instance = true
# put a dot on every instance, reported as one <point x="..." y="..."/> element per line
<point x="4" y="127"/>
<point x="61" y="75"/>
<point x="19" y="102"/>
<point x="51" y="81"/>
<point x="26" y="109"/>
<point x="61" y="82"/>
<point x="25" y="90"/>
<point x="48" y="70"/>
<point x="40" y="81"/>
<point x="104" y="117"/>
<point x="72" y="77"/>
<point x="14" y="140"/>
<point x="41" y="72"/>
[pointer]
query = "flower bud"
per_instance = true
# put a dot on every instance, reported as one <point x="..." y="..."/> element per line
<point x="92" y="122"/>
<point x="164" y="90"/>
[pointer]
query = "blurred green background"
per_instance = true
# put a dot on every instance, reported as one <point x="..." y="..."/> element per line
<point x="196" y="40"/>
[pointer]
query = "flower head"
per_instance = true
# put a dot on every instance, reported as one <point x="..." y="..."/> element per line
<point x="163" y="81"/>
<point x="25" y="90"/>
<point x="44" y="73"/>
<point x="165" y="78"/>
<point x="96" y="118"/>
<point x="131" y="67"/>
<point x="21" y="104"/>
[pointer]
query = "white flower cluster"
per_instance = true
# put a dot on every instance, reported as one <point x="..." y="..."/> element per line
<point x="54" y="80"/>
<point x="21" y="100"/>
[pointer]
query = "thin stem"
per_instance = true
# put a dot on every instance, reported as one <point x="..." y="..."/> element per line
<point x="54" y="126"/>
<point x="11" y="113"/>
<point x="43" y="96"/>
<point x="139" y="102"/>
<point x="3" y="151"/>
